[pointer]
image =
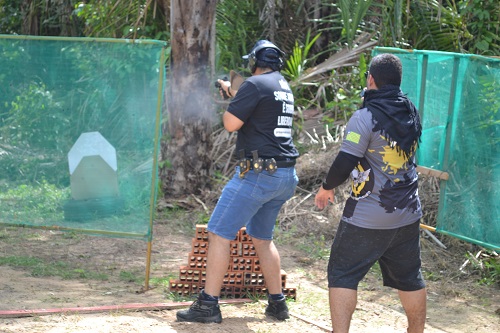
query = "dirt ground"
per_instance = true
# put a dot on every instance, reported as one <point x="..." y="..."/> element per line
<point x="455" y="303"/>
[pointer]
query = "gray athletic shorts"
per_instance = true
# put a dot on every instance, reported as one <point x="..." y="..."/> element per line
<point x="356" y="249"/>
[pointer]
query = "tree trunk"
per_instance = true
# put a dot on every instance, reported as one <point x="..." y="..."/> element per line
<point x="191" y="112"/>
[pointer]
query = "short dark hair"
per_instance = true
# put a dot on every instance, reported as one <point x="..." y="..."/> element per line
<point x="386" y="69"/>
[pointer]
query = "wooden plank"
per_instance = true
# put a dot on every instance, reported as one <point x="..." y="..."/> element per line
<point x="433" y="172"/>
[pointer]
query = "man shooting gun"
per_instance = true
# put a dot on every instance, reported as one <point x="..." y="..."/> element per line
<point x="262" y="112"/>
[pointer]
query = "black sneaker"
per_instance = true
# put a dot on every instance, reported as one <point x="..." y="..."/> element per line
<point x="277" y="309"/>
<point x="201" y="311"/>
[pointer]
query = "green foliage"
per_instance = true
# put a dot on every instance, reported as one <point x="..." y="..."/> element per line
<point x="10" y="18"/>
<point x="483" y="26"/>
<point x="352" y="13"/>
<point x="123" y="19"/>
<point x="177" y="217"/>
<point x="338" y="93"/>
<point x="391" y="16"/>
<point x="44" y="107"/>
<point x="431" y="276"/>
<point x="4" y="234"/>
<point x="295" y="66"/>
<point x="35" y="108"/>
<point x="22" y="166"/>
<point x="175" y="297"/>
<point x="39" y="17"/>
<point x="487" y="266"/>
<point x="453" y="26"/>
<point x="363" y="68"/>
<point x="470" y="26"/>
<point x="375" y="269"/>
<point x="203" y="218"/>
<point x="330" y="25"/>
<point x="61" y="269"/>
<point x="32" y="202"/>
<point x="491" y="271"/>
<point x="15" y="261"/>
<point x="130" y="277"/>
<point x="342" y="105"/>
<point x="433" y="26"/>
<point x="343" y="22"/>
<point x="345" y="100"/>
<point x="161" y="281"/>
<point x="297" y="62"/>
<point x="314" y="245"/>
<point x="71" y="235"/>
<point x="238" y="28"/>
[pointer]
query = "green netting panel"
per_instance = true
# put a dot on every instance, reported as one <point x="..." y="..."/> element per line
<point x="79" y="133"/>
<point x="459" y="101"/>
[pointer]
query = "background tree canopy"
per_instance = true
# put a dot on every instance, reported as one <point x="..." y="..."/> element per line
<point x="327" y="43"/>
<point x="470" y="26"/>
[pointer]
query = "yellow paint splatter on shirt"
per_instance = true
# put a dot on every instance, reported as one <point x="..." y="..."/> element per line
<point x="393" y="160"/>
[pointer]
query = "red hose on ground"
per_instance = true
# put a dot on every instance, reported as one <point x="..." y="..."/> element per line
<point x="107" y="308"/>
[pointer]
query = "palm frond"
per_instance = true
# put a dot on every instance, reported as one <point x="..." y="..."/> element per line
<point x="298" y="60"/>
<point x="343" y="58"/>
<point x="432" y="26"/>
<point x="352" y="12"/>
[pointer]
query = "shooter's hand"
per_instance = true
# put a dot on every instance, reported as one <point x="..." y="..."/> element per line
<point x="224" y="88"/>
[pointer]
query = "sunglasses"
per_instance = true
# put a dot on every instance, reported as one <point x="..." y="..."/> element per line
<point x="366" y="74"/>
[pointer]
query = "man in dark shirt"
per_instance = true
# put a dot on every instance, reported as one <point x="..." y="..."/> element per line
<point x="262" y="113"/>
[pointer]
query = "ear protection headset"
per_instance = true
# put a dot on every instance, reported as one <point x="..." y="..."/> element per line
<point x="267" y="52"/>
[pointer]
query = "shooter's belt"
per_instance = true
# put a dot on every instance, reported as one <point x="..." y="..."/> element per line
<point x="259" y="163"/>
<point x="280" y="164"/>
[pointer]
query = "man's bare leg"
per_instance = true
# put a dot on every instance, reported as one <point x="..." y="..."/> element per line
<point x="270" y="264"/>
<point x="342" y="305"/>
<point x="415" y="305"/>
<point x="217" y="263"/>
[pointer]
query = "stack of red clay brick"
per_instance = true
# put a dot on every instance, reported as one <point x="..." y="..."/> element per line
<point x="243" y="278"/>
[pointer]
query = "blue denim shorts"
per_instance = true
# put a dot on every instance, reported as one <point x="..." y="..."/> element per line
<point x="253" y="201"/>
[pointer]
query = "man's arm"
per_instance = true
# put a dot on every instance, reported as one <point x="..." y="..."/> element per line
<point x="341" y="167"/>
<point x="231" y="122"/>
<point x="339" y="171"/>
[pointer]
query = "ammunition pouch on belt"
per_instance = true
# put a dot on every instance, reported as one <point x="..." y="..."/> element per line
<point x="258" y="164"/>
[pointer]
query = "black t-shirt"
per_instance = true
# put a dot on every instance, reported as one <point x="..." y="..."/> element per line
<point x="265" y="104"/>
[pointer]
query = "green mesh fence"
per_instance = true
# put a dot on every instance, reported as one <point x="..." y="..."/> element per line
<point x="458" y="97"/>
<point x="79" y="133"/>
